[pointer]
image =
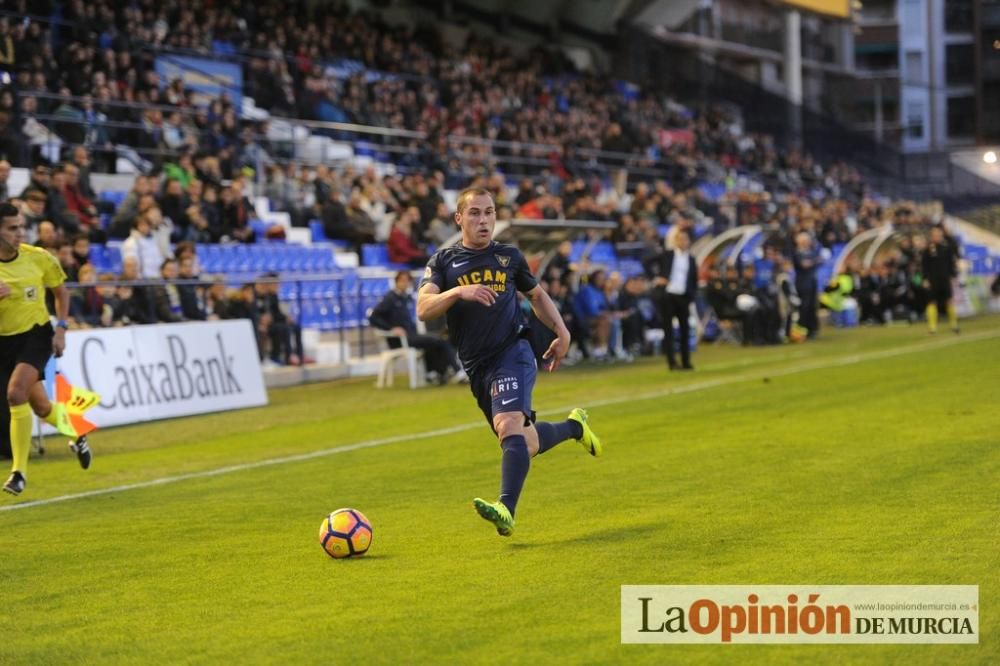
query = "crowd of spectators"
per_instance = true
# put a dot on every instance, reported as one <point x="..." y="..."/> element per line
<point x="768" y="299"/>
<point x="321" y="61"/>
<point x="72" y="82"/>
<point x="607" y="313"/>
<point x="84" y="68"/>
<point x="178" y="292"/>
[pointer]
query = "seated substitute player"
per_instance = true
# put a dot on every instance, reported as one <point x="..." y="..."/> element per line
<point x="394" y="314"/>
<point x="474" y="285"/>
<point x="27" y="338"/>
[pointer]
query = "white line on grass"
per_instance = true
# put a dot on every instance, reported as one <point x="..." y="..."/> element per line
<point x="686" y="388"/>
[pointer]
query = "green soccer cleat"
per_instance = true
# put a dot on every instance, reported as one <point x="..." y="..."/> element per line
<point x="590" y="441"/>
<point x="497" y="514"/>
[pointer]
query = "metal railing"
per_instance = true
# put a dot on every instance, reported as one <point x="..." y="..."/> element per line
<point x="330" y="302"/>
<point x="283" y="145"/>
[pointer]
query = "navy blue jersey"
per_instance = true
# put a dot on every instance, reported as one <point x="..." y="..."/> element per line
<point x="478" y="332"/>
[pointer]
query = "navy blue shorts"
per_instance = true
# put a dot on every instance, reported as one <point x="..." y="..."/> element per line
<point x="506" y="384"/>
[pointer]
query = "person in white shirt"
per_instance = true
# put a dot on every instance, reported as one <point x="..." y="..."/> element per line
<point x="674" y="274"/>
<point x="145" y="247"/>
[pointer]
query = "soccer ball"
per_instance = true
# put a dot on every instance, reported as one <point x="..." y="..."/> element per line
<point x="345" y="533"/>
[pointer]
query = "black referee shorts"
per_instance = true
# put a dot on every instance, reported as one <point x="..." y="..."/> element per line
<point x="941" y="293"/>
<point x="33" y="347"/>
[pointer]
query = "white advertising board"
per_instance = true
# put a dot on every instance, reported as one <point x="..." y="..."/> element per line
<point x="155" y="372"/>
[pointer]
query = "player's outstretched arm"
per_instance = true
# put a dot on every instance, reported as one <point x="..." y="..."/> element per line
<point x="547" y="313"/>
<point x="432" y="302"/>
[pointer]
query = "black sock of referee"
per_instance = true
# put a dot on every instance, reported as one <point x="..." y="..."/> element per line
<point x="550" y="434"/>
<point x="513" y="469"/>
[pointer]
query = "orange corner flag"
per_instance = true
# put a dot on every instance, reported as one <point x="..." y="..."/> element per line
<point x="70" y="404"/>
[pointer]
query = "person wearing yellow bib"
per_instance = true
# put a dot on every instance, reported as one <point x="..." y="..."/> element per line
<point x="27" y="337"/>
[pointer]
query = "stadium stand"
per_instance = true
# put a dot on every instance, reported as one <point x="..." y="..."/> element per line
<point x="406" y="118"/>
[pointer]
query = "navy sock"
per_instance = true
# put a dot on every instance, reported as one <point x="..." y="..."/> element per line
<point x="513" y="470"/>
<point x="550" y="434"/>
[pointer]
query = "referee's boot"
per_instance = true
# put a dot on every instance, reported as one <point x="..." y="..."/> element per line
<point x="82" y="451"/>
<point x="15" y="483"/>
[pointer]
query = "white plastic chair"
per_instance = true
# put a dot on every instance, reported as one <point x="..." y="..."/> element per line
<point x="413" y="357"/>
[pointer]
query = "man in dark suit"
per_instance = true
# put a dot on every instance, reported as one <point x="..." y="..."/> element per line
<point x="284" y="332"/>
<point x="674" y="275"/>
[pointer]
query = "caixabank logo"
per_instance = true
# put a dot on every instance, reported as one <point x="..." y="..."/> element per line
<point x="728" y="614"/>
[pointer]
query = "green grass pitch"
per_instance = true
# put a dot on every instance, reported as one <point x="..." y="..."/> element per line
<point x="868" y="457"/>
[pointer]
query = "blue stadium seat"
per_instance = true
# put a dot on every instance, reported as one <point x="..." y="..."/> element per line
<point x="294" y="260"/>
<point x="630" y="267"/>
<point x="271" y="256"/>
<point x="97" y="257"/>
<point x="350" y="300"/>
<point x="329" y="315"/>
<point x="972" y="252"/>
<point x="260" y="228"/>
<point x="763" y="271"/>
<point x="223" y="263"/>
<point x="336" y="315"/>
<point x="325" y="261"/>
<point x="113" y="258"/>
<point x="288" y="291"/>
<point x="712" y="191"/>
<point x="308" y="290"/>
<point x="824" y="273"/>
<point x="206" y="249"/>
<point x="372" y="290"/>
<point x="312" y="261"/>
<point x="980" y="266"/>
<point x="603" y="252"/>
<point x="316" y="228"/>
<point x="328" y="289"/>
<point x="115" y="197"/>
<point x="309" y="316"/>
<point x="374" y="255"/>
<point x="220" y="47"/>
<point x="294" y="257"/>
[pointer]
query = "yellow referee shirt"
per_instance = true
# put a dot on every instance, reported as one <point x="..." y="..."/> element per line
<point x="27" y="275"/>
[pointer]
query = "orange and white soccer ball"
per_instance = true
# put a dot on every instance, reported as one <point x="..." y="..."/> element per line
<point x="345" y="533"/>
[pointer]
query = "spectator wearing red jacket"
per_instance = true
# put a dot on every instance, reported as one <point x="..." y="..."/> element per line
<point x="402" y="248"/>
<point x="79" y="205"/>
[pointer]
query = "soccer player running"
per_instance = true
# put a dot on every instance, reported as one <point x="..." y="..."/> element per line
<point x="27" y="338"/>
<point x="474" y="285"/>
<point x="940" y="265"/>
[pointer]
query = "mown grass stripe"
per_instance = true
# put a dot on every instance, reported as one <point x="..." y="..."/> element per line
<point x="649" y="395"/>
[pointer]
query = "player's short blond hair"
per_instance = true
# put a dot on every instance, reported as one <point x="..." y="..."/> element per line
<point x="466" y="195"/>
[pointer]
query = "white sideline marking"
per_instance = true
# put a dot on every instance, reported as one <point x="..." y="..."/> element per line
<point x="687" y="388"/>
